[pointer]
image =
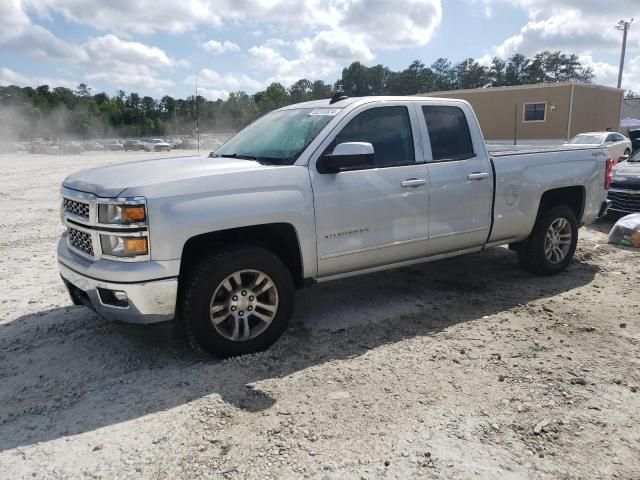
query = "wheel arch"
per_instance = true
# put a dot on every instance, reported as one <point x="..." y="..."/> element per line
<point x="573" y="197"/>
<point x="279" y="238"/>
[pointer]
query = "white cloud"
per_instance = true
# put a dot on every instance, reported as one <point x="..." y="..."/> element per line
<point x="215" y="47"/>
<point x="329" y="33"/>
<point x="11" y="77"/>
<point x="583" y="27"/>
<point x="110" y="48"/>
<point x="576" y="25"/>
<point x="341" y="45"/>
<point x="128" y="64"/>
<point x="392" y="24"/>
<point x="18" y="34"/>
<point x="119" y="62"/>
<point x="131" y="76"/>
<point x="213" y="94"/>
<point x="212" y="81"/>
<point x="147" y="16"/>
<point x="306" y="63"/>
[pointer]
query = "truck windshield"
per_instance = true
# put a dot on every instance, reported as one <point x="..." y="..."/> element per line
<point x="586" y="140"/>
<point x="279" y="137"/>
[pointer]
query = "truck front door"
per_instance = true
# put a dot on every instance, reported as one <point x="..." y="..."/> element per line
<point x="461" y="178"/>
<point x="376" y="215"/>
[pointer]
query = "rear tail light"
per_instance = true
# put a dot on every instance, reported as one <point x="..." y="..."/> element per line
<point x="608" y="172"/>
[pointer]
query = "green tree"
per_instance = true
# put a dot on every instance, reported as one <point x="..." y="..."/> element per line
<point x="470" y="74"/>
<point x="275" y="96"/>
<point x="516" y="72"/>
<point x="443" y="75"/>
<point x="301" y="91"/>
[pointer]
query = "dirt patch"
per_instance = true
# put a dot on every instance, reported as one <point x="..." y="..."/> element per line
<point x="465" y="368"/>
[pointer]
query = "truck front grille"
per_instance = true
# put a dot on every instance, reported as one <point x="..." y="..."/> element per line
<point x="80" y="241"/>
<point x="625" y="186"/>
<point x="625" y="200"/>
<point x="79" y="209"/>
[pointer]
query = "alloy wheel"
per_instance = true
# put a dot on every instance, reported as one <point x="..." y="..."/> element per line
<point x="243" y="305"/>
<point x="557" y="242"/>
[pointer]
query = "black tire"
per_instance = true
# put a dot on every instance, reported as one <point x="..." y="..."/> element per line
<point x="627" y="152"/>
<point x="531" y="253"/>
<point x="200" y="283"/>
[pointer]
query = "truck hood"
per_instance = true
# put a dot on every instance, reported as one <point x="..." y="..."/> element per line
<point x="627" y="172"/>
<point x="113" y="180"/>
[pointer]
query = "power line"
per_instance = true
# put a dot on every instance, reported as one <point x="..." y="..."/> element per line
<point x="623" y="26"/>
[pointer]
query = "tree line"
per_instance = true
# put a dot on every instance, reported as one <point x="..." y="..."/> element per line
<point x="62" y="112"/>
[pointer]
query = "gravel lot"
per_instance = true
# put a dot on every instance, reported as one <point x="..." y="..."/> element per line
<point x="465" y="368"/>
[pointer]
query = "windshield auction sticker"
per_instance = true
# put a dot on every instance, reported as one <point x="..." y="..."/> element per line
<point x="330" y="112"/>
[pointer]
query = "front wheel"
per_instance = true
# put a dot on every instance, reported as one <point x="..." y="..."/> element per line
<point x="627" y="152"/>
<point x="552" y="243"/>
<point x="236" y="301"/>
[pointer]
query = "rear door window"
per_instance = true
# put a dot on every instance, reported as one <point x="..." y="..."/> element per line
<point x="448" y="133"/>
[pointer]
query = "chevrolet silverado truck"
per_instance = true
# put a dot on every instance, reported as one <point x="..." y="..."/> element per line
<point x="310" y="193"/>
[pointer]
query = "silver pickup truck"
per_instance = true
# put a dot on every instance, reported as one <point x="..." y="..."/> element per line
<point x="310" y="193"/>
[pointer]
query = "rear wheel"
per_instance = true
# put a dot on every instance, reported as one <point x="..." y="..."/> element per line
<point x="236" y="302"/>
<point x="552" y="243"/>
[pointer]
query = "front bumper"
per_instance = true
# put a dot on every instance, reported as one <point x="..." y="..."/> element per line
<point x="147" y="302"/>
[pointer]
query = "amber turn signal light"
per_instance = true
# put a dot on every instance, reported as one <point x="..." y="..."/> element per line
<point x="136" y="246"/>
<point x="131" y="213"/>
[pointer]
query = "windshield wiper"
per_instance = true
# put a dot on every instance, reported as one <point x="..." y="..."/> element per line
<point x="261" y="160"/>
<point x="237" y="155"/>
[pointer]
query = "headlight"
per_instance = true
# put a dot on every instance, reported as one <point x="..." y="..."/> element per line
<point x="118" y="246"/>
<point x="121" y="214"/>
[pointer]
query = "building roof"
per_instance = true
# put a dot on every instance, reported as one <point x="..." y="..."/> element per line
<point x="523" y="87"/>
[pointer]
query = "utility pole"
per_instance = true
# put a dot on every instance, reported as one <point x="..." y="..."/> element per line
<point x="195" y="100"/>
<point x="624" y="26"/>
<point x="175" y="118"/>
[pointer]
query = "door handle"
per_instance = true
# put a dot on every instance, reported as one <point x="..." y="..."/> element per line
<point x="413" y="182"/>
<point x="478" y="176"/>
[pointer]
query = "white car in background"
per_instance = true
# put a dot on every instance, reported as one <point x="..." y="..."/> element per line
<point x="160" y="145"/>
<point x="615" y="143"/>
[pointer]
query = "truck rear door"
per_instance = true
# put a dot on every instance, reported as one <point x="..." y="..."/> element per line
<point x="461" y="177"/>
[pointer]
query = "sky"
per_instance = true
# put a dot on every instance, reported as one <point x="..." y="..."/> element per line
<point x="158" y="47"/>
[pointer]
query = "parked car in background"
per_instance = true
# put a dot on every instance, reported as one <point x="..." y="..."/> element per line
<point x="615" y="143"/>
<point x="212" y="144"/>
<point x="73" y="148"/>
<point x="136" y="145"/>
<point x="188" y="144"/>
<point x="92" y="146"/>
<point x="20" y="147"/>
<point x="625" y="185"/>
<point x="160" y="145"/>
<point x="114" y="146"/>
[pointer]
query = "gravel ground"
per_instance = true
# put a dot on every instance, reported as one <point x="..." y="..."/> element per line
<point x="465" y="368"/>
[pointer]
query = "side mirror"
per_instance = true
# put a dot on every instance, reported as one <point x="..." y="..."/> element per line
<point x="347" y="156"/>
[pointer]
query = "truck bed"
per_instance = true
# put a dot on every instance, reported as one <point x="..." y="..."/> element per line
<point x="521" y="182"/>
